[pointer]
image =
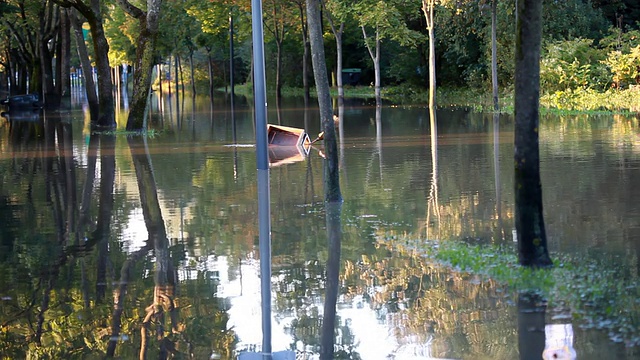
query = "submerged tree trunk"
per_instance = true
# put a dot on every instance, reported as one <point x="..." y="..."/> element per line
<point x="45" y="36"/>
<point x="494" y="55"/>
<point x="278" y="69"/>
<point x="305" y="53"/>
<point x="145" y="49"/>
<point x="332" y="175"/>
<point x="337" y="32"/>
<point x="375" y="57"/>
<point x="339" y="82"/>
<point x="191" y="77"/>
<point x="428" y="8"/>
<point x="64" y="55"/>
<point x="83" y="54"/>
<point x="210" y="68"/>
<point x="532" y="238"/>
<point x="93" y="16"/>
<point x="106" y="118"/>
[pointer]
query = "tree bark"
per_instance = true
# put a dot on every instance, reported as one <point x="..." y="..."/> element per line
<point x="83" y="54"/>
<point x="93" y="14"/>
<point x="494" y="55"/>
<point x="427" y="8"/>
<point x="145" y="49"/>
<point x="106" y="107"/>
<point x="305" y="53"/>
<point x="375" y="57"/>
<point x="64" y="55"/>
<point x="48" y="17"/>
<point x="532" y="238"/>
<point x="332" y="175"/>
<point x="337" y="32"/>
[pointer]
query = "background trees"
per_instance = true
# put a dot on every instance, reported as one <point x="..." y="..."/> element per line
<point x="585" y="44"/>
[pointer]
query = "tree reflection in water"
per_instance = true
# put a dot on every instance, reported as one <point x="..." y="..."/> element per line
<point x="74" y="244"/>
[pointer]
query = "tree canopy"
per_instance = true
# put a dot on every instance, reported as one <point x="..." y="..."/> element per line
<point x="199" y="31"/>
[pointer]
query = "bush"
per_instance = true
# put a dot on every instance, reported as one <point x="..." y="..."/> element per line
<point x="573" y="64"/>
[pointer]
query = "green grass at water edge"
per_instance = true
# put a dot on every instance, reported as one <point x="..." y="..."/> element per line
<point x="597" y="294"/>
<point x="568" y="102"/>
<point x="152" y="133"/>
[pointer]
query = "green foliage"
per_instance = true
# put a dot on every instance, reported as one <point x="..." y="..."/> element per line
<point x="591" y="100"/>
<point x="569" y="19"/>
<point x="572" y="64"/>
<point x="620" y="40"/>
<point x="121" y="30"/>
<point x="625" y="67"/>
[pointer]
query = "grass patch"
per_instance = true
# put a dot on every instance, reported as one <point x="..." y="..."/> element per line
<point x="150" y="133"/>
<point x="568" y="102"/>
<point x="596" y="292"/>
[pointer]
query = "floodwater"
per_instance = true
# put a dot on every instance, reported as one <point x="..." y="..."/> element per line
<point x="149" y="247"/>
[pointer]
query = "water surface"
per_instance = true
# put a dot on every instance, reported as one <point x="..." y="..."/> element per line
<point x="115" y="244"/>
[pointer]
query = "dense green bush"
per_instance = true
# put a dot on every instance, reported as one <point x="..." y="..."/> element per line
<point x="573" y="64"/>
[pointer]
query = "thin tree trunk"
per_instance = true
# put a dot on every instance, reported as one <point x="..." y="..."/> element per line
<point x="428" y="9"/>
<point x="494" y="55"/>
<point x="177" y="82"/>
<point x="332" y="178"/>
<point x="210" y="67"/>
<point x="339" y="82"/>
<point x="375" y="57"/>
<point x="193" y="82"/>
<point x="305" y="53"/>
<point x="278" y="69"/>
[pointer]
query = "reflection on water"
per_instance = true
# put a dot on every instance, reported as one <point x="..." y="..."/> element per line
<point x="149" y="247"/>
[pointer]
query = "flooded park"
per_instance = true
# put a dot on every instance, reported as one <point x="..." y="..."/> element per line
<point x="135" y="246"/>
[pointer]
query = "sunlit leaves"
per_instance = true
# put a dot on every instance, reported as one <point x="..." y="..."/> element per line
<point x="390" y="18"/>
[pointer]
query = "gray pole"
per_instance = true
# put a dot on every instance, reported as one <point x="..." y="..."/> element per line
<point x="264" y="212"/>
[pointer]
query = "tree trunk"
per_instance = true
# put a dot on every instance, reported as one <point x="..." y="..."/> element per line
<point x="494" y="55"/>
<point x="83" y="54"/>
<point x="193" y="82"/>
<point x="176" y="65"/>
<point x="210" y="66"/>
<point x="332" y="178"/>
<point x="532" y="238"/>
<point x="338" y="35"/>
<point x="278" y="69"/>
<point x="64" y="55"/>
<point x="428" y="8"/>
<point x="376" y="67"/>
<point x="375" y="57"/>
<point x="106" y="117"/>
<point x="45" y="38"/>
<point x="305" y="53"/>
<point x="145" y="49"/>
